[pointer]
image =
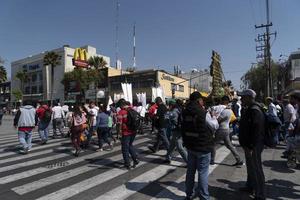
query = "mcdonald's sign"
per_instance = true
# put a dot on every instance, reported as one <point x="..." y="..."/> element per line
<point x="80" y="58"/>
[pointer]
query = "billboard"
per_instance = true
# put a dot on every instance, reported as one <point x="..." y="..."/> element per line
<point x="80" y="58"/>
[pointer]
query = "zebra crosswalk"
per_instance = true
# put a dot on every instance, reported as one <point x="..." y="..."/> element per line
<point x="52" y="172"/>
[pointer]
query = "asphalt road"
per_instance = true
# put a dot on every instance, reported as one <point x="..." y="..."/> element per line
<point x="52" y="172"/>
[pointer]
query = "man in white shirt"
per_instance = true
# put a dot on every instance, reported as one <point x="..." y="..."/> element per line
<point x="93" y="112"/>
<point x="58" y="116"/>
<point x="289" y="117"/>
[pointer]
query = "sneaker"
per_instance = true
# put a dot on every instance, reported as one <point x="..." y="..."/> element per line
<point x="152" y="149"/>
<point x="135" y="163"/>
<point x="238" y="163"/>
<point x="24" y="151"/>
<point x="100" y="149"/>
<point x="128" y="167"/>
<point x="246" y="189"/>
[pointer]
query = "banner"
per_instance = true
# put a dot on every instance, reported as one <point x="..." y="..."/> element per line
<point x="127" y="91"/>
<point x="142" y="98"/>
<point x="117" y="97"/>
<point x="158" y="92"/>
<point x="110" y="101"/>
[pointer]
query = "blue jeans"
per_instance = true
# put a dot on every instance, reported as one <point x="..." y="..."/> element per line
<point x="43" y="130"/>
<point x="102" y="136"/>
<point x="25" y="138"/>
<point x="197" y="161"/>
<point x="176" y="141"/>
<point x="127" y="148"/>
<point x="162" y="136"/>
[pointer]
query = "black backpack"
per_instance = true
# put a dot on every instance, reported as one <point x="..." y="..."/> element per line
<point x="47" y="115"/>
<point x="269" y="125"/>
<point x="133" y="120"/>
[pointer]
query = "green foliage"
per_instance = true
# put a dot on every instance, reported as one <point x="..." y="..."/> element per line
<point x="83" y="77"/>
<point x="97" y="62"/>
<point x="52" y="58"/>
<point x="256" y="77"/>
<point x="3" y="74"/>
<point x="18" y="94"/>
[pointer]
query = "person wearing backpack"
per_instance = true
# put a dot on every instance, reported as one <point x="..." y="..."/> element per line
<point x="175" y="126"/>
<point x="44" y="114"/>
<point x="198" y="127"/>
<point x="223" y="133"/>
<point x="128" y="134"/>
<point x="251" y="138"/>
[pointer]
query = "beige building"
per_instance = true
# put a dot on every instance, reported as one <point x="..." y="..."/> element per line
<point x="144" y="80"/>
<point x="38" y="85"/>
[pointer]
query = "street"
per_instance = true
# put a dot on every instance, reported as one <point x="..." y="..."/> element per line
<point x="52" y="172"/>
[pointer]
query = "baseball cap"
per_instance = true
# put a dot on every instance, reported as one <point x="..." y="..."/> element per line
<point x="247" y="92"/>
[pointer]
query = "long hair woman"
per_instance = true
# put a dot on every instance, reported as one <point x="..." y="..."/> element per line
<point x="77" y="128"/>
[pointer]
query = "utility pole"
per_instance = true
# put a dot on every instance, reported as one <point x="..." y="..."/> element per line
<point x="134" y="58"/>
<point x="266" y="48"/>
<point x="117" y="34"/>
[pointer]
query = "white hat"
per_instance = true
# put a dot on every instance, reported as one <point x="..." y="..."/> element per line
<point x="247" y="92"/>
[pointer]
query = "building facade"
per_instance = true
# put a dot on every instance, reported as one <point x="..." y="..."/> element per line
<point x="201" y="80"/>
<point x="37" y="85"/>
<point x="5" y="91"/>
<point x="145" y="80"/>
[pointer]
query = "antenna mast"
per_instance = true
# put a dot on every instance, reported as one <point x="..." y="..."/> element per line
<point x="134" y="58"/>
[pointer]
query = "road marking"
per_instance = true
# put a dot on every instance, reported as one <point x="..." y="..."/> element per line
<point x="89" y="183"/>
<point x="51" y="143"/>
<point x="29" y="187"/>
<point x="173" y="189"/>
<point x="39" y="170"/>
<point x="138" y="183"/>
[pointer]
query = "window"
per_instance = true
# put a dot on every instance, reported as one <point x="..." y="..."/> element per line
<point x="40" y="76"/>
<point x="41" y="89"/>
<point x="27" y="90"/>
<point x="146" y="83"/>
<point x="34" y="78"/>
<point x="297" y="63"/>
<point x="181" y="88"/>
<point x="34" y="89"/>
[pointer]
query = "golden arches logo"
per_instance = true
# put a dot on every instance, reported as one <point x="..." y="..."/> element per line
<point x="80" y="58"/>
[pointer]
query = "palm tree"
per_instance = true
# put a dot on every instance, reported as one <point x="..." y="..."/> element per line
<point x="3" y="74"/>
<point x="97" y="62"/>
<point x="52" y="59"/>
<point x="22" y="77"/>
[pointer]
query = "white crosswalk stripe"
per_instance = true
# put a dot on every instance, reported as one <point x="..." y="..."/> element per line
<point x="79" y="166"/>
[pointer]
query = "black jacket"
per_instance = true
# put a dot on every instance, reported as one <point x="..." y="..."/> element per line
<point x="160" y="120"/>
<point x="195" y="133"/>
<point x="252" y="126"/>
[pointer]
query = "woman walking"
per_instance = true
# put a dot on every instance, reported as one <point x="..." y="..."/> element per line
<point x="77" y="128"/>
<point x="103" y="129"/>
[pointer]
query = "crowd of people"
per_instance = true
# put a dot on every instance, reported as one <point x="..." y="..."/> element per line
<point x="191" y="127"/>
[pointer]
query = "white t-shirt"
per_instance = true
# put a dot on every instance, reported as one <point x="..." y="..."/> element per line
<point x="289" y="114"/>
<point x="94" y="113"/>
<point x="57" y="112"/>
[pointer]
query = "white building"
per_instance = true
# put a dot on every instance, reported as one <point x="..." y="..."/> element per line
<point x="38" y="85"/>
<point x="199" y="79"/>
<point x="295" y="65"/>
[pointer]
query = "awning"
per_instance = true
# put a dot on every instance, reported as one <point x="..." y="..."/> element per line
<point x="204" y="94"/>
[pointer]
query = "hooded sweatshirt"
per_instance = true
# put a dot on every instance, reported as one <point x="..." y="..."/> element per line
<point x="26" y="118"/>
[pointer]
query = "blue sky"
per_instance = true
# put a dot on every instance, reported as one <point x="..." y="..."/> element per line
<point x="169" y="32"/>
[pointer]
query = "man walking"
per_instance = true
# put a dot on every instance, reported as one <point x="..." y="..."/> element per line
<point x="223" y="133"/>
<point x="25" y="121"/>
<point x="251" y="138"/>
<point x="44" y="115"/>
<point x="128" y="135"/>
<point x="160" y="124"/>
<point x="175" y="126"/>
<point x="58" y="116"/>
<point x="197" y="134"/>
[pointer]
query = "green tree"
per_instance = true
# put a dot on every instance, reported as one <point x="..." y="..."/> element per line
<point x="3" y="74"/>
<point x="83" y="77"/>
<point x="22" y="77"/>
<point x="97" y="62"/>
<point x="18" y="94"/>
<point x="52" y="59"/>
<point x="255" y="78"/>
